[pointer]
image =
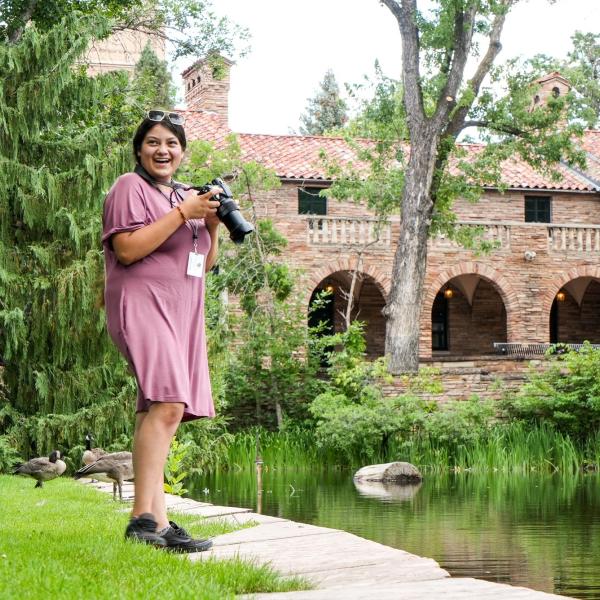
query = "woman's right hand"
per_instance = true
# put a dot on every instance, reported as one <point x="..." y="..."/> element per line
<point x="199" y="206"/>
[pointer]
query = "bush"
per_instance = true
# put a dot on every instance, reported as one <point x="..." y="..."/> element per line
<point x="565" y="396"/>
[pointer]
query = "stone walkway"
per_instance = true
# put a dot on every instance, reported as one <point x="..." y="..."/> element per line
<point x="340" y="565"/>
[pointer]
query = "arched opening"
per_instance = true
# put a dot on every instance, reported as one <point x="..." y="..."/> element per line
<point x="468" y="315"/>
<point x="575" y="312"/>
<point x="555" y="92"/>
<point x="359" y="300"/>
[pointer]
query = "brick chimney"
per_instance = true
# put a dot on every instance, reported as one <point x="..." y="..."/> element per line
<point x="207" y="85"/>
<point x="553" y="84"/>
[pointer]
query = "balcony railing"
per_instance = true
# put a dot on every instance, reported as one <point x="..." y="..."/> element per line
<point x="332" y="231"/>
<point x="574" y="238"/>
<point x="496" y="233"/>
<point x="346" y="231"/>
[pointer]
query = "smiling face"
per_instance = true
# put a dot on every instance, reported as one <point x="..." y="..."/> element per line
<point x="160" y="153"/>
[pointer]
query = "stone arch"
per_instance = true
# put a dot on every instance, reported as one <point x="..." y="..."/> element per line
<point x="501" y="283"/>
<point x="369" y="299"/>
<point x="563" y="278"/>
<point x="380" y="280"/>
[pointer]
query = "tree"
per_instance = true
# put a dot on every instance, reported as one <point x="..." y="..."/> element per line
<point x="267" y="365"/>
<point x="326" y="111"/>
<point x="438" y="103"/>
<point x="64" y="138"/>
<point x="189" y="25"/>
<point x="582" y="69"/>
<point x="152" y="84"/>
<point x="58" y="157"/>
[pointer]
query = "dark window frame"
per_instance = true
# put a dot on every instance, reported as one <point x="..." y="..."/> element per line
<point x="538" y="209"/>
<point x="310" y="203"/>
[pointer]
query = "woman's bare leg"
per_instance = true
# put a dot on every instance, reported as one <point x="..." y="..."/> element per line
<point x="154" y="431"/>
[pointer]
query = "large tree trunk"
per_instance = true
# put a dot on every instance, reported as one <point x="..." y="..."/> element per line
<point x="403" y="309"/>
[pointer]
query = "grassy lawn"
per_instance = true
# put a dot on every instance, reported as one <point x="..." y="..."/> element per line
<point x="65" y="541"/>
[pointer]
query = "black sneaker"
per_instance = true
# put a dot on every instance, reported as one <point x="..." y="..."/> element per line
<point x="143" y="529"/>
<point x="177" y="539"/>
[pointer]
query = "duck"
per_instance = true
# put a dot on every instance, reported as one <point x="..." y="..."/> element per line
<point x="42" y="468"/>
<point x="90" y="454"/>
<point x="117" y="467"/>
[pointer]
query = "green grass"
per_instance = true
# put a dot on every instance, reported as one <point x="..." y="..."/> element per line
<point x="65" y="541"/>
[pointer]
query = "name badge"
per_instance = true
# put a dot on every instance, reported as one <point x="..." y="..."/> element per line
<point x="195" y="266"/>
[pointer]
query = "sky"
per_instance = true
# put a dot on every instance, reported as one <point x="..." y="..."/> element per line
<point x="293" y="43"/>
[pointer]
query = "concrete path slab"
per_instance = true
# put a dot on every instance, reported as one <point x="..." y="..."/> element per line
<point x="447" y="589"/>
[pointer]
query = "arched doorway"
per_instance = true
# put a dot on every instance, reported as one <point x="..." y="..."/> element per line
<point x="352" y="298"/>
<point x="575" y="312"/>
<point x="467" y="316"/>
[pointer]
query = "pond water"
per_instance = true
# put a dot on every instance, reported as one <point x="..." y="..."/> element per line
<point x="538" y="531"/>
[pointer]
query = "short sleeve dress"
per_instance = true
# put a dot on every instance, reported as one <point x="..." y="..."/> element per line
<point x="154" y="310"/>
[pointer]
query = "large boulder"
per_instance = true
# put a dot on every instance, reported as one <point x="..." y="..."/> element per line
<point x="394" y="472"/>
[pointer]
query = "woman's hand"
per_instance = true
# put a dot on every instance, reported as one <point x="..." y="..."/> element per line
<point x="201" y="206"/>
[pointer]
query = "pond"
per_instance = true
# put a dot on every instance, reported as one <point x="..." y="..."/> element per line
<point x="538" y="531"/>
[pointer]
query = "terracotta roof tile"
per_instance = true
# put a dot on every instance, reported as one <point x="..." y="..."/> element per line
<point x="297" y="157"/>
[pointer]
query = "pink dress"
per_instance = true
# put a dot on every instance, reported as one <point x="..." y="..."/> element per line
<point x="154" y="310"/>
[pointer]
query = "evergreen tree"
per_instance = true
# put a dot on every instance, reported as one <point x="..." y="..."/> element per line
<point x="152" y="84"/>
<point x="61" y="135"/>
<point x="326" y="111"/>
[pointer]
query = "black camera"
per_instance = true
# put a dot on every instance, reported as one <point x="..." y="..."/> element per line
<point x="228" y="212"/>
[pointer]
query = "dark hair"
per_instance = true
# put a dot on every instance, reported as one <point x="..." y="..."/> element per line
<point x="146" y="125"/>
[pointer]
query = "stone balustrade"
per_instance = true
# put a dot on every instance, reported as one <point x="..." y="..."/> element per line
<point x="332" y="231"/>
<point x="348" y="231"/>
<point x="497" y="233"/>
<point x="574" y="238"/>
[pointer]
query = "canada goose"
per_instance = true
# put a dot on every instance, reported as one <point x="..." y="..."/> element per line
<point x="91" y="454"/>
<point x="117" y="466"/>
<point x="42" y="469"/>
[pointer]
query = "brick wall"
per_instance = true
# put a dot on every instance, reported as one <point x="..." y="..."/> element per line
<point x="514" y="296"/>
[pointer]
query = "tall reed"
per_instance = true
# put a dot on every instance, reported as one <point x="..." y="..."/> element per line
<point x="514" y="448"/>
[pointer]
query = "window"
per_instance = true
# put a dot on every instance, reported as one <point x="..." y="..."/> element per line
<point x="537" y="209"/>
<point x="439" y="323"/>
<point x="310" y="203"/>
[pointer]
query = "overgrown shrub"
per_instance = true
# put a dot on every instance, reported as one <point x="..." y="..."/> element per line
<point x="565" y="395"/>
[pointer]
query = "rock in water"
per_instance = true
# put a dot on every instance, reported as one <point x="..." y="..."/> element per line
<point x="394" y="472"/>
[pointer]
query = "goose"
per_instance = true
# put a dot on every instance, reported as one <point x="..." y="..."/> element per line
<point x="117" y="467"/>
<point x="91" y="454"/>
<point x="42" y="469"/>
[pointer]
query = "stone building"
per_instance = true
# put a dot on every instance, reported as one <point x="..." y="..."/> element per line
<point x="541" y="284"/>
<point x="121" y="51"/>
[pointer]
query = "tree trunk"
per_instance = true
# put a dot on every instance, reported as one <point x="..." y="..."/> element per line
<point x="403" y="309"/>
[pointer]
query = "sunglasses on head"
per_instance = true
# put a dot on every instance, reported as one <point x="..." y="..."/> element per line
<point x="159" y="115"/>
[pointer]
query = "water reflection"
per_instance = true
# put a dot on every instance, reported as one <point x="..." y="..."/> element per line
<point x="386" y="491"/>
<point x="537" y="531"/>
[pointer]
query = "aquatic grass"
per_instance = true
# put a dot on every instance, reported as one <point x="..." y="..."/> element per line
<point x="295" y="449"/>
<point x="508" y="447"/>
<point x="66" y="541"/>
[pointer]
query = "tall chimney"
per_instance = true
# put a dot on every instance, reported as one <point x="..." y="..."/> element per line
<point x="207" y="85"/>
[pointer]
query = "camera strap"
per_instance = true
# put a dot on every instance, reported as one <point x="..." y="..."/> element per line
<point x="175" y="186"/>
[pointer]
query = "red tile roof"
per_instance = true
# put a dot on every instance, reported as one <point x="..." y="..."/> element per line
<point x="298" y="157"/>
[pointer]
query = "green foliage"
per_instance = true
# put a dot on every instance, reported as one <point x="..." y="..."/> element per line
<point x="582" y="69"/>
<point x="565" y="395"/>
<point x="174" y="473"/>
<point x="258" y="358"/>
<point x="60" y="151"/>
<point x="355" y="421"/>
<point x="152" y="84"/>
<point x="9" y="456"/>
<point x="326" y="111"/>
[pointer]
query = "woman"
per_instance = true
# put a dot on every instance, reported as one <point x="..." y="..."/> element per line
<point x="159" y="239"/>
